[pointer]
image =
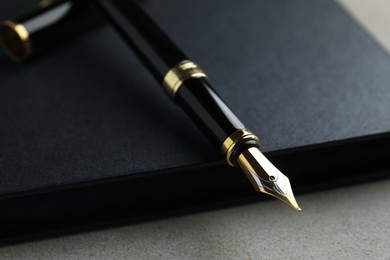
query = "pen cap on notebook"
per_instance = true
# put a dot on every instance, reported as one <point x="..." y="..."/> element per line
<point x="52" y="22"/>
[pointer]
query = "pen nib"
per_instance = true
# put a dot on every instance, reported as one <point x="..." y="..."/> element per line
<point x="265" y="177"/>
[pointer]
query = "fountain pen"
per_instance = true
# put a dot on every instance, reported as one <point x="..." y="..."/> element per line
<point x="187" y="84"/>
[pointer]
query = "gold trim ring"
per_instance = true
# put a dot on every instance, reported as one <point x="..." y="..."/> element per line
<point x="179" y="73"/>
<point x="235" y="139"/>
<point x="15" y="39"/>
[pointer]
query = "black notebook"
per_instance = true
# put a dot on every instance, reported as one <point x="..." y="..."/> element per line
<point x="86" y="134"/>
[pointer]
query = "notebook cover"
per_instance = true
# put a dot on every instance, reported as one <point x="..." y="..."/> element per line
<point x="87" y="134"/>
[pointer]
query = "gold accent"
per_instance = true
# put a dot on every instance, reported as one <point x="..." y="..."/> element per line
<point x="15" y="40"/>
<point x="179" y="73"/>
<point x="265" y="177"/>
<point x="234" y="139"/>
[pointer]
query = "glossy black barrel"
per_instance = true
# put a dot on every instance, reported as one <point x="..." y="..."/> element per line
<point x="52" y="22"/>
<point x="161" y="55"/>
<point x="206" y="108"/>
<point x="151" y="44"/>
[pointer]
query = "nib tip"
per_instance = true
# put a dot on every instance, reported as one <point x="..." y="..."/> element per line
<point x="265" y="177"/>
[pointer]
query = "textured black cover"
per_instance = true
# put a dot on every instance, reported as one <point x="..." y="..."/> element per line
<point x="85" y="127"/>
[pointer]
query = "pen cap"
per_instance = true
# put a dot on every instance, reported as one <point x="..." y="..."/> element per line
<point x="52" y="22"/>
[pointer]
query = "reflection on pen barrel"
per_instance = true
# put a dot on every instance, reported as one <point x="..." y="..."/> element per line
<point x="187" y="84"/>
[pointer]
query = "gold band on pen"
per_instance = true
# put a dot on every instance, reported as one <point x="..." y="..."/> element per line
<point x="234" y="139"/>
<point x="15" y="39"/>
<point x="179" y="73"/>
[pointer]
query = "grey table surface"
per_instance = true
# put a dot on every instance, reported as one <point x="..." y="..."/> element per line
<point x="346" y="223"/>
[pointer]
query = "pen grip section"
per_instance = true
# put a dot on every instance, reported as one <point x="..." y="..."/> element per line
<point x="207" y="110"/>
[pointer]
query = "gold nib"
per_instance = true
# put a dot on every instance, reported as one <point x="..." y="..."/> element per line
<point x="265" y="177"/>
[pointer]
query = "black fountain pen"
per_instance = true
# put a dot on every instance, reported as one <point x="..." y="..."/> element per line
<point x="188" y="86"/>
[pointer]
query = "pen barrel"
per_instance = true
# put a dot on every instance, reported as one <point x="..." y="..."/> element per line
<point x="149" y="42"/>
<point x="184" y="81"/>
<point x="206" y="108"/>
<point x="52" y="22"/>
